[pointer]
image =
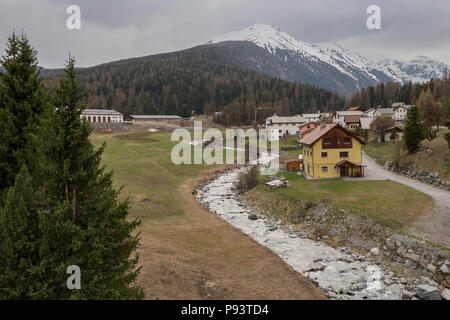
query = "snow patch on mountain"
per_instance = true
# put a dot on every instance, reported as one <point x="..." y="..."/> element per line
<point x="272" y="38"/>
<point x="355" y="61"/>
<point x="418" y="69"/>
<point x="330" y="64"/>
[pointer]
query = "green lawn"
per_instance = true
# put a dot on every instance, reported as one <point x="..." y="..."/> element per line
<point x="288" y="141"/>
<point x="142" y="164"/>
<point x="433" y="155"/>
<point x="388" y="202"/>
<point x="381" y="152"/>
<point x="290" y="154"/>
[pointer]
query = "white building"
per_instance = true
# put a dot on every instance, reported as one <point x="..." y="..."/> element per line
<point x="311" y="117"/>
<point x="366" y="122"/>
<point x="339" y="116"/>
<point x="370" y="114"/>
<point x="385" y="112"/>
<point x="400" y="112"/>
<point x="101" y="115"/>
<point x="277" y="127"/>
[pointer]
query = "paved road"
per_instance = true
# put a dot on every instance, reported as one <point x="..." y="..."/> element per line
<point x="374" y="171"/>
<point x="436" y="226"/>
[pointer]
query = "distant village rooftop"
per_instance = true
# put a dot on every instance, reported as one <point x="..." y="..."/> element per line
<point x="101" y="115"/>
<point x="106" y="112"/>
<point x="294" y="119"/>
<point x="323" y="129"/>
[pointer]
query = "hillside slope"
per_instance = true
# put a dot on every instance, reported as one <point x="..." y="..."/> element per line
<point x="203" y="78"/>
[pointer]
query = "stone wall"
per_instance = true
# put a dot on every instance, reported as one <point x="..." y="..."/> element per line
<point x="416" y="172"/>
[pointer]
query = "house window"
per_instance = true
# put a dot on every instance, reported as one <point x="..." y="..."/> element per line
<point x="324" y="154"/>
<point x="338" y="140"/>
<point x="347" y="140"/>
<point x="343" y="154"/>
<point x="324" y="169"/>
<point x="327" y="140"/>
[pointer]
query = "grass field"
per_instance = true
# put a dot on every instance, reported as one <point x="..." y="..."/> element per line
<point x="388" y="202"/>
<point x="187" y="252"/>
<point x="433" y="156"/>
<point x="381" y="152"/>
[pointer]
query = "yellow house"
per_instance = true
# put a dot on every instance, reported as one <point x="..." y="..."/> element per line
<point x="332" y="151"/>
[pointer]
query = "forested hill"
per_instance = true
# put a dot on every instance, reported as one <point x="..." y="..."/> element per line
<point x="200" y="79"/>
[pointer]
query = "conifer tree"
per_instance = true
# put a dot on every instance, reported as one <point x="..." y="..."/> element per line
<point x="86" y="224"/>
<point x="23" y="100"/>
<point x="19" y="240"/>
<point x="413" y="131"/>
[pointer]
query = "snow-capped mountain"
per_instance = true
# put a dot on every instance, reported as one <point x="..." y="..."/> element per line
<point x="419" y="69"/>
<point x="328" y="65"/>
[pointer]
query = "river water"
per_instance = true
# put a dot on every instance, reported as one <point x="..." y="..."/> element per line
<point x="340" y="273"/>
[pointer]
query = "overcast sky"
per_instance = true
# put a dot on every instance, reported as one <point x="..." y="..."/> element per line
<point x="113" y="29"/>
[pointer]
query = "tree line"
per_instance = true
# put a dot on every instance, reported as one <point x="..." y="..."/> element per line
<point x="58" y="206"/>
<point x="200" y="80"/>
<point x="385" y="94"/>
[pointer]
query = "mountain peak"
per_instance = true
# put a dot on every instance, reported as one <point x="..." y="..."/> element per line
<point x="267" y="36"/>
<point x="329" y="65"/>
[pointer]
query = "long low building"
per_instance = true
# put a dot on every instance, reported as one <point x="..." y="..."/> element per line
<point x="101" y="115"/>
<point x="154" y="117"/>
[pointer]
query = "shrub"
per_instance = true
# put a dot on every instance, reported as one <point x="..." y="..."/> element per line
<point x="248" y="179"/>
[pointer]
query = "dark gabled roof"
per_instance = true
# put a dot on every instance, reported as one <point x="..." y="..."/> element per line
<point x="321" y="130"/>
<point x="352" y="119"/>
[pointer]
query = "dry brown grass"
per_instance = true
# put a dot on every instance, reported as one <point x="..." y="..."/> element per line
<point x="187" y="252"/>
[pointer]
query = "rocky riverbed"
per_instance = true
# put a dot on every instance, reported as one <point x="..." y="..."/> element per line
<point x="342" y="274"/>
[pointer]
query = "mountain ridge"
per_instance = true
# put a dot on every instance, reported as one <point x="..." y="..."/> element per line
<point x="346" y="71"/>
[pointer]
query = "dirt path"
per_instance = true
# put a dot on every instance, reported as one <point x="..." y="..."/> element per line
<point x="203" y="257"/>
<point x="435" y="226"/>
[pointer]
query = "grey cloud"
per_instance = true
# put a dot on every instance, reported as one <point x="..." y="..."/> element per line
<point x="113" y="29"/>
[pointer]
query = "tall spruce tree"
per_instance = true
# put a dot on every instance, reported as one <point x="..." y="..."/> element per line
<point x="19" y="240"/>
<point x="85" y="224"/>
<point x="413" y="131"/>
<point x="23" y="100"/>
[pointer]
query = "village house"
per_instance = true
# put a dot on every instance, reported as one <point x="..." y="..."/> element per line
<point x="312" y="117"/>
<point x="400" y="112"/>
<point x="388" y="134"/>
<point x="277" y="127"/>
<point x="384" y="112"/>
<point x="330" y="150"/>
<point x="357" y="108"/>
<point x="306" y="129"/>
<point x="365" y="123"/>
<point x="101" y="115"/>
<point x="352" y="122"/>
<point x="339" y="116"/>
